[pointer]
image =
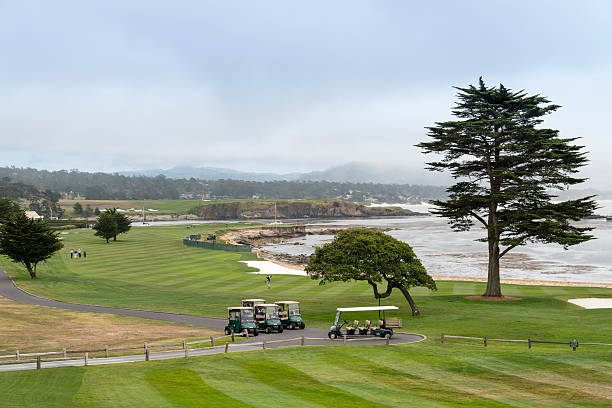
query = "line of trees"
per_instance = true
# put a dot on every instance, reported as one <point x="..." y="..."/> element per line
<point x="102" y="186"/>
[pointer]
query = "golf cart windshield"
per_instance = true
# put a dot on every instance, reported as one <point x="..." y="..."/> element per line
<point x="246" y="315"/>
<point x="271" y="313"/>
<point x="293" y="309"/>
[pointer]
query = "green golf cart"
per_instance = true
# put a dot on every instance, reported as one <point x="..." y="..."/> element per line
<point x="267" y="319"/>
<point x="289" y="313"/>
<point x="384" y="328"/>
<point x="241" y="319"/>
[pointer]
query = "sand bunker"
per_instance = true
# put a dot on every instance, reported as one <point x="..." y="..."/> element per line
<point x="593" y="303"/>
<point x="271" y="268"/>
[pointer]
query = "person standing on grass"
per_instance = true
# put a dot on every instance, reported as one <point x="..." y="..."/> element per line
<point x="79" y="252"/>
<point x="268" y="282"/>
<point x="84" y="254"/>
<point x="71" y="254"/>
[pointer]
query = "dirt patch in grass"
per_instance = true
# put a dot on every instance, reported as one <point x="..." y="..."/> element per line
<point x="493" y="298"/>
<point x="35" y="328"/>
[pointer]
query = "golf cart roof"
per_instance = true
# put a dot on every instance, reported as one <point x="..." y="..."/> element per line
<point x="366" y="308"/>
<point x="287" y="302"/>
<point x="267" y="305"/>
<point x="239" y="308"/>
<point x="253" y="300"/>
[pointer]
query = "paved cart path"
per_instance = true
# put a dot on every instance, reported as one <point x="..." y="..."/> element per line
<point x="9" y="290"/>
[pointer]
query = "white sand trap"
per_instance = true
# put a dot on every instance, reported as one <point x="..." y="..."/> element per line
<point x="593" y="303"/>
<point x="271" y="268"/>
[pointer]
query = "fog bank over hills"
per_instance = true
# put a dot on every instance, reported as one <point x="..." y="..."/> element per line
<point x="355" y="172"/>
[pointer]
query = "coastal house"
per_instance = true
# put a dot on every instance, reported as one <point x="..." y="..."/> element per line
<point x="33" y="215"/>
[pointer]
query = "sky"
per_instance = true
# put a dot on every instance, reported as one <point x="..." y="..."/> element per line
<point x="284" y="86"/>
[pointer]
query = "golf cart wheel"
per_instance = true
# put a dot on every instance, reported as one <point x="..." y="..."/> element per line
<point x="332" y="336"/>
<point x="227" y="332"/>
<point x="268" y="330"/>
<point x="302" y="325"/>
<point x="280" y="329"/>
<point x="291" y="326"/>
<point x="387" y="336"/>
<point x="255" y="332"/>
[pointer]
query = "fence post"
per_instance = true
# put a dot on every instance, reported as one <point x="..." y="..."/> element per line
<point x="86" y="358"/>
<point x="529" y="342"/>
<point x="147" y="355"/>
<point x="212" y="341"/>
<point x="184" y="344"/>
<point x="17" y="355"/>
<point x="226" y="346"/>
<point x="186" y="352"/>
<point x="442" y="338"/>
<point x="387" y="338"/>
<point x="233" y="340"/>
<point x="106" y="350"/>
<point x="485" y="340"/>
<point x="38" y="364"/>
<point x="344" y="339"/>
<point x="64" y="353"/>
<point x="302" y="339"/>
<point x="146" y="347"/>
<point x="263" y="344"/>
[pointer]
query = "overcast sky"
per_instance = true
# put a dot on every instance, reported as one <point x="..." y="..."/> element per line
<point x="283" y="85"/>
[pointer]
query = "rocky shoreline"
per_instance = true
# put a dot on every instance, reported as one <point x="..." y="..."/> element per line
<point x="258" y="237"/>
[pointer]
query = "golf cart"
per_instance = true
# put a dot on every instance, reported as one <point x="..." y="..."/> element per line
<point x="241" y="319"/>
<point x="384" y="328"/>
<point x="289" y="314"/>
<point x="252" y="302"/>
<point x="266" y="317"/>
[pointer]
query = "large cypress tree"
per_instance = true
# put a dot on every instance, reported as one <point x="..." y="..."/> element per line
<point x="506" y="167"/>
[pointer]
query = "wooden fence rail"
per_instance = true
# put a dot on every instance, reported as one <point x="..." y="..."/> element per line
<point x="573" y="344"/>
<point x="17" y="357"/>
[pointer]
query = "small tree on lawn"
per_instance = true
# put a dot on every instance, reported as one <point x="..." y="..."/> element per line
<point x="28" y="241"/>
<point x="371" y="256"/>
<point x="106" y="226"/>
<point x="506" y="167"/>
<point x="123" y="222"/>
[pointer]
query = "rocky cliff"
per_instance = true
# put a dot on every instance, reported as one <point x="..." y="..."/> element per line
<point x="248" y="210"/>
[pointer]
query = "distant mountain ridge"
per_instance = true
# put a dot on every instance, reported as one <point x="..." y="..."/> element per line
<point x="354" y="172"/>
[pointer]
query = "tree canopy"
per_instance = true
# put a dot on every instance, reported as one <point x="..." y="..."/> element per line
<point x="28" y="241"/>
<point x="372" y="256"/>
<point x="506" y="168"/>
<point x="106" y="226"/>
<point x="7" y="208"/>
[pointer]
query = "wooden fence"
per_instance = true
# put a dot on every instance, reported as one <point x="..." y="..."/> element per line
<point x="574" y="344"/>
<point x="64" y="354"/>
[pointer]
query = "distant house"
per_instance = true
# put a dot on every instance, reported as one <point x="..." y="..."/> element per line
<point x="33" y="215"/>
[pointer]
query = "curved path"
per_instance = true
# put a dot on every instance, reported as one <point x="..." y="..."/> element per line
<point x="9" y="290"/>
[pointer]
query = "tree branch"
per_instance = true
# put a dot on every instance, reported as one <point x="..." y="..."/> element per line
<point x="385" y="294"/>
<point x="479" y="218"/>
<point x="506" y="250"/>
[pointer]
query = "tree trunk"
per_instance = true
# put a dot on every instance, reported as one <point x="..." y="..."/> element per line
<point x="493" y="283"/>
<point x="31" y="270"/>
<point x="413" y="306"/>
<point x="107" y="240"/>
<point x="114" y="238"/>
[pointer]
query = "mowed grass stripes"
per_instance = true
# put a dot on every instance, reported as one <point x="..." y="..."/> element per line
<point x="428" y="375"/>
<point x="148" y="268"/>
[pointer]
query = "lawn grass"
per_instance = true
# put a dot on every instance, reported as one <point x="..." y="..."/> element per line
<point x="420" y="375"/>
<point x="29" y="328"/>
<point x="148" y="268"/>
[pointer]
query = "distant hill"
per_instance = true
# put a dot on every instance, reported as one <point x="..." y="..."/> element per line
<point x="211" y="173"/>
<point x="354" y="172"/>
